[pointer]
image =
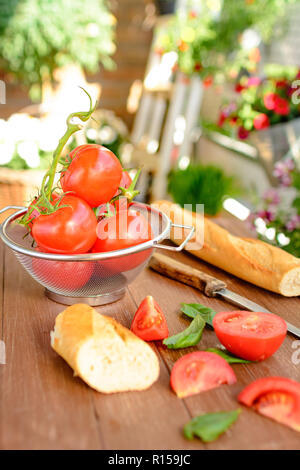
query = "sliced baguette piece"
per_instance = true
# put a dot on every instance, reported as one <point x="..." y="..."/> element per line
<point x="247" y="258"/>
<point x="105" y="354"/>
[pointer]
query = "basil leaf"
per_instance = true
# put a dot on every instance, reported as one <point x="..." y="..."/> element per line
<point x="210" y="426"/>
<point x="191" y="310"/>
<point x="230" y="358"/>
<point x="189" y="337"/>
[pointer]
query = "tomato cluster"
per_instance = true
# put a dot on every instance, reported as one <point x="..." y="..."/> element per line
<point x="87" y="216"/>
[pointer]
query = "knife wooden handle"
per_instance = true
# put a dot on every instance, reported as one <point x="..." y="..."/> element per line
<point x="186" y="274"/>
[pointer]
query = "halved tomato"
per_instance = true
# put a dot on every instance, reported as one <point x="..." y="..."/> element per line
<point x="252" y="336"/>
<point x="200" y="371"/>
<point x="277" y="398"/>
<point x="149" y="322"/>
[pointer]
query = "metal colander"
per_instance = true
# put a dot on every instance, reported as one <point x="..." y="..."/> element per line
<point x="93" y="278"/>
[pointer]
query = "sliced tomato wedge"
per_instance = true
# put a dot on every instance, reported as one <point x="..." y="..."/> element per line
<point x="277" y="398"/>
<point x="200" y="371"/>
<point x="254" y="336"/>
<point x="149" y="322"/>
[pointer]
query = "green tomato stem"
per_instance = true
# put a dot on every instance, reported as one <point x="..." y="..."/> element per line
<point x="46" y="188"/>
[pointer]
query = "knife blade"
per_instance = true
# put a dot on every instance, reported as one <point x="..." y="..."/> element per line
<point x="211" y="286"/>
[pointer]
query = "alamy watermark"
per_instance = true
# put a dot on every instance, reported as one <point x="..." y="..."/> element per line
<point x="296" y="353"/>
<point x="2" y="353"/>
<point x="2" y="92"/>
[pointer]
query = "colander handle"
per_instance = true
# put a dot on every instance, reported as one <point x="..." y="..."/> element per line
<point x="8" y="208"/>
<point x="185" y="241"/>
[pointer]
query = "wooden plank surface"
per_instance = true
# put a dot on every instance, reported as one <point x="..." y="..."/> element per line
<point x="42" y="406"/>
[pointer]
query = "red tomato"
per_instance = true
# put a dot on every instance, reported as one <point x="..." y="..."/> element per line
<point x="252" y="336"/>
<point x="69" y="275"/>
<point x="123" y="230"/>
<point x="277" y="398"/>
<point x="200" y="371"/>
<point x="69" y="230"/>
<point x="149" y="322"/>
<point x="94" y="174"/>
<point x="35" y="213"/>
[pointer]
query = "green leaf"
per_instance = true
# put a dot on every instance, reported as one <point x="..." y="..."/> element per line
<point x="192" y="310"/>
<point x="230" y="358"/>
<point x="210" y="426"/>
<point x="189" y="337"/>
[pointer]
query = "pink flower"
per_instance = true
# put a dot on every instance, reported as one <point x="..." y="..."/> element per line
<point x="253" y="81"/>
<point x="266" y="215"/>
<point x="243" y="133"/>
<point x="271" y="196"/>
<point x="293" y="223"/>
<point x="283" y="170"/>
<point x="261" y="121"/>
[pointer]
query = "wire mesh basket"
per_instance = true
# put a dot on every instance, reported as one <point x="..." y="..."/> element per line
<point x="93" y="278"/>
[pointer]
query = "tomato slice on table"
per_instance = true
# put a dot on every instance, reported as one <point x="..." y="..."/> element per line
<point x="277" y="398"/>
<point x="200" y="371"/>
<point x="254" y="336"/>
<point x="149" y="322"/>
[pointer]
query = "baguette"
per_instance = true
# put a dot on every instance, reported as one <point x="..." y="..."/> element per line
<point x="247" y="258"/>
<point x="105" y="354"/>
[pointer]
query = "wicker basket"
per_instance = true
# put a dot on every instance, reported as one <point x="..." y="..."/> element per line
<point x="17" y="187"/>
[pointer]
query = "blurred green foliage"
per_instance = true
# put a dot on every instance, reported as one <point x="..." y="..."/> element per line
<point x="208" y="40"/>
<point x="38" y="36"/>
<point x="199" y="184"/>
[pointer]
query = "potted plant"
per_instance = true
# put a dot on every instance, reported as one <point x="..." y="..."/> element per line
<point x="198" y="184"/>
<point x="37" y="37"/>
<point x="265" y="112"/>
<point x="209" y="40"/>
<point x="276" y="218"/>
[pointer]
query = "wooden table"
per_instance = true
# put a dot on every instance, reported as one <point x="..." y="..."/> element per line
<point x="42" y="406"/>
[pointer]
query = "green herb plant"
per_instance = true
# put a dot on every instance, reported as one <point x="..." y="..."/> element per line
<point x="199" y="184"/>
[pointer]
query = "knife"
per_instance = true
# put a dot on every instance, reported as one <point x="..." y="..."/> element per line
<point x="211" y="286"/>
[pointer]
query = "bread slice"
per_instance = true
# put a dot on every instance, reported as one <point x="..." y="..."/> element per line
<point x="105" y="354"/>
<point x="247" y="258"/>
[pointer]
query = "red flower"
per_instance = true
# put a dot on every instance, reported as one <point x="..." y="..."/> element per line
<point x="298" y="74"/>
<point x="243" y="133"/>
<point x="238" y="88"/>
<point x="261" y="121"/>
<point x="222" y="119"/>
<point x="193" y="14"/>
<point x="281" y="83"/>
<point x="198" y="67"/>
<point x="270" y="100"/>
<point x="208" y="81"/>
<point x="282" y="106"/>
